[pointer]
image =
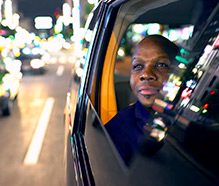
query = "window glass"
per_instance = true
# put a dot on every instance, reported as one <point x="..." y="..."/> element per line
<point x="190" y="94"/>
<point x="87" y="47"/>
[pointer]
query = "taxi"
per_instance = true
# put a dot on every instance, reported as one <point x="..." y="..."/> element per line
<point x="188" y="155"/>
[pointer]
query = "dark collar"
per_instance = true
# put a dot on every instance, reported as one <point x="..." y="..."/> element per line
<point x="141" y="112"/>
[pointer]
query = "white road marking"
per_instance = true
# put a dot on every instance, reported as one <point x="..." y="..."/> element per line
<point x="35" y="146"/>
<point x="60" y="70"/>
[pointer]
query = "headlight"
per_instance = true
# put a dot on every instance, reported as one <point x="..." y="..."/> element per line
<point x="37" y="63"/>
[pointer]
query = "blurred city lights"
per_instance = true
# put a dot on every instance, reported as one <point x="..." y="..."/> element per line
<point x="121" y="52"/>
<point x="182" y="66"/>
<point x="204" y="111"/>
<point x="43" y="22"/>
<point x="153" y="28"/>
<point x="76" y="26"/>
<point x="35" y="51"/>
<point x="59" y="26"/>
<point x="26" y="51"/>
<point x="37" y="63"/>
<point x="194" y="108"/>
<point x="67" y="19"/>
<point x="1" y="3"/>
<point x="138" y="28"/>
<point x="91" y="1"/>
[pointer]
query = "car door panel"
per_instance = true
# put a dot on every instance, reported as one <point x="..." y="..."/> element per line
<point x="108" y="169"/>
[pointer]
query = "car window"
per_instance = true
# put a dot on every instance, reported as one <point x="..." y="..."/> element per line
<point x="197" y="65"/>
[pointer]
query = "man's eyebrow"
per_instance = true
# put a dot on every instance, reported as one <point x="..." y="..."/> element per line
<point x="137" y="57"/>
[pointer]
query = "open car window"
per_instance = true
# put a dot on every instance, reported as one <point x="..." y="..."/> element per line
<point x="183" y="29"/>
<point x="192" y="88"/>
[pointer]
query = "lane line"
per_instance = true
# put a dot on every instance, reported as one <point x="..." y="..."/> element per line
<point x="35" y="146"/>
<point x="60" y="70"/>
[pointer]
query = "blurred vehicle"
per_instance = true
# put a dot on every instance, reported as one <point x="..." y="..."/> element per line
<point x="32" y="61"/>
<point x="9" y="88"/>
<point x="189" y="155"/>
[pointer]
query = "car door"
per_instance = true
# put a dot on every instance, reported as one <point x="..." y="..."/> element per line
<point x="92" y="157"/>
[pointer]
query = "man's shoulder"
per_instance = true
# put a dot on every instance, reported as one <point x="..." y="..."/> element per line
<point x="128" y="109"/>
<point x="125" y="115"/>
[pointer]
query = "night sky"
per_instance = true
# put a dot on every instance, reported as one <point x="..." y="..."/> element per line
<point x="33" y="8"/>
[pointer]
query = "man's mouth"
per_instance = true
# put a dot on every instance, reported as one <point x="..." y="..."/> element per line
<point x="148" y="92"/>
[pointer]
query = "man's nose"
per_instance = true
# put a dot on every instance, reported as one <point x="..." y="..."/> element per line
<point x="148" y="74"/>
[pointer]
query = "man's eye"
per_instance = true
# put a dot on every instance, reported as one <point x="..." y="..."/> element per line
<point x="162" y="65"/>
<point x="137" y="67"/>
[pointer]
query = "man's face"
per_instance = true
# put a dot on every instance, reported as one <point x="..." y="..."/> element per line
<point x="149" y="71"/>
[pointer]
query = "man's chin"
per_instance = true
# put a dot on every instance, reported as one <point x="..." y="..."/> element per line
<point x="147" y="100"/>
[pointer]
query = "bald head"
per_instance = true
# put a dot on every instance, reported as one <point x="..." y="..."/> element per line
<point x="151" y="66"/>
<point x="166" y="45"/>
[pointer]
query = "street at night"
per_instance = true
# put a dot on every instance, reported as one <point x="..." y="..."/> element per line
<point x="17" y="131"/>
